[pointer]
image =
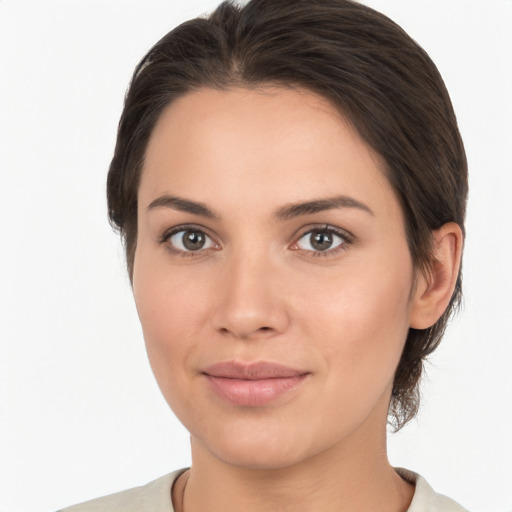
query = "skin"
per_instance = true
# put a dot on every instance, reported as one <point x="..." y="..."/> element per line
<point x="258" y="291"/>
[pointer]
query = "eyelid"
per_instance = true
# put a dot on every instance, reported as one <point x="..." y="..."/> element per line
<point x="348" y="239"/>
<point x="168" y="233"/>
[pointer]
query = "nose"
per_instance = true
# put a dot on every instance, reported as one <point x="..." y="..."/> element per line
<point x="251" y="302"/>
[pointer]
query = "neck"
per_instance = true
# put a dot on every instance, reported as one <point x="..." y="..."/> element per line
<point x="354" y="475"/>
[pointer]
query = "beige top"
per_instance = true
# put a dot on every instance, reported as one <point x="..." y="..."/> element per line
<point x="156" y="497"/>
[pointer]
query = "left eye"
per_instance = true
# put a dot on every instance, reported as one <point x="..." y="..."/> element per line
<point x="320" y="240"/>
<point x="190" y="240"/>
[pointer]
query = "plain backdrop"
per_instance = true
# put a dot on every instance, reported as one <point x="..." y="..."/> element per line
<point x="80" y="413"/>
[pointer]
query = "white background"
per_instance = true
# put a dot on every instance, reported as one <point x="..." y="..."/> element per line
<point x="80" y="413"/>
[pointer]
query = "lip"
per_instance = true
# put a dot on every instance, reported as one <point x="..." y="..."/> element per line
<point x="254" y="384"/>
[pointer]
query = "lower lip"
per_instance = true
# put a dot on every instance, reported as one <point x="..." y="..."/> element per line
<point x="253" y="393"/>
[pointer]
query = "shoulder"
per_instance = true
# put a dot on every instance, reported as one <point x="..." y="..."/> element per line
<point x="152" y="497"/>
<point x="425" y="499"/>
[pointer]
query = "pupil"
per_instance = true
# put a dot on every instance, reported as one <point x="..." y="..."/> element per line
<point x="193" y="240"/>
<point x="322" y="241"/>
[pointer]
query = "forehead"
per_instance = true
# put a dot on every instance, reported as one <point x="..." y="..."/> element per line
<point x="271" y="144"/>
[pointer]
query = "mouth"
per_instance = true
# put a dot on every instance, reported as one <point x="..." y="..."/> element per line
<point x="255" y="384"/>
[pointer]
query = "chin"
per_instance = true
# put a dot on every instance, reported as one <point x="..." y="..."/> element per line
<point x="258" y="459"/>
<point x="259" y="448"/>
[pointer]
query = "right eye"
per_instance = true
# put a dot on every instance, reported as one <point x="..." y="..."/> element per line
<point x="190" y="240"/>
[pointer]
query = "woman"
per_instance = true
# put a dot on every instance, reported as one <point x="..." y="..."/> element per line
<point x="290" y="185"/>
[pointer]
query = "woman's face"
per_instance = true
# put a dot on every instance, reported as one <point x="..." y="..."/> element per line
<point x="268" y="235"/>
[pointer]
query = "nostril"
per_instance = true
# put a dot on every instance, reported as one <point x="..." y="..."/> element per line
<point x="238" y="333"/>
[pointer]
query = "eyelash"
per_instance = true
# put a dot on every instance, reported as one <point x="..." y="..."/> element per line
<point x="167" y="235"/>
<point x="347" y="240"/>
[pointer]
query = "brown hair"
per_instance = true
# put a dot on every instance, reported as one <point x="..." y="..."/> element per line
<point x="367" y="67"/>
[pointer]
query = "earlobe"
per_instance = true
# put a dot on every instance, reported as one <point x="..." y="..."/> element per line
<point x="434" y="289"/>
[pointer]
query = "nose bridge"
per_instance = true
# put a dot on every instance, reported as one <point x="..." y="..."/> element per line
<point x="250" y="302"/>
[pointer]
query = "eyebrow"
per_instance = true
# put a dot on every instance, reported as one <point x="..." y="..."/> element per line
<point x="320" y="205"/>
<point x="183" y="205"/>
<point x="286" y="212"/>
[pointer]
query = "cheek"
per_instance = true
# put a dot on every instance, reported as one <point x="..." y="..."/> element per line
<point x="172" y="313"/>
<point x="359" y="322"/>
<point x="169" y="298"/>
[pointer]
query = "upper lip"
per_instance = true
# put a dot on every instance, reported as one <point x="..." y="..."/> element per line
<point x="251" y="371"/>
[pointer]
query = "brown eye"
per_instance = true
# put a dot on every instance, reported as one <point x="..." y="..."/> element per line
<point x="189" y="240"/>
<point x="320" y="240"/>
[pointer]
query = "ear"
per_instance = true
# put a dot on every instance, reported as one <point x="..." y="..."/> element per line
<point x="434" y="288"/>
